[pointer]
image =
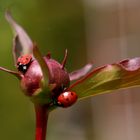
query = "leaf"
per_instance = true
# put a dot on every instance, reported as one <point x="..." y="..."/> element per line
<point x="111" y="77"/>
<point x="43" y="65"/>
<point x="22" y="42"/>
<point x="75" y="75"/>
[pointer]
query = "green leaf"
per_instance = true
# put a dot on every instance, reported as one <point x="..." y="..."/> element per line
<point x="43" y="65"/>
<point x="111" y="77"/>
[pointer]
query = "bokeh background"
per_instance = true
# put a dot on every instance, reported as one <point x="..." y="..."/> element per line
<point x="102" y="31"/>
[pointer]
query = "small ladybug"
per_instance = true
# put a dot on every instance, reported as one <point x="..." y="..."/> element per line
<point x="23" y="62"/>
<point x="67" y="99"/>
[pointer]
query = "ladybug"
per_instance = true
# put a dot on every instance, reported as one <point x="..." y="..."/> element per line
<point x="67" y="99"/>
<point x="23" y="62"/>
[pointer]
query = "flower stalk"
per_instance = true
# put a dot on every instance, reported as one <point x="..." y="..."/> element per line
<point x="41" y="122"/>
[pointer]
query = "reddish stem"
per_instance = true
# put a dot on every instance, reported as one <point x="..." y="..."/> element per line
<point x="41" y="122"/>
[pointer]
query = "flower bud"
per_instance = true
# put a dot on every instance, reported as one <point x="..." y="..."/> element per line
<point x="32" y="79"/>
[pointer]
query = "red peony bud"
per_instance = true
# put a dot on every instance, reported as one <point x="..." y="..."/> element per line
<point x="31" y="81"/>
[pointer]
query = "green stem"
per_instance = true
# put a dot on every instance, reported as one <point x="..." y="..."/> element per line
<point x="41" y="122"/>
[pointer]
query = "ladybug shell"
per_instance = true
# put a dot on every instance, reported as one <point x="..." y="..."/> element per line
<point x="24" y="59"/>
<point x="67" y="99"/>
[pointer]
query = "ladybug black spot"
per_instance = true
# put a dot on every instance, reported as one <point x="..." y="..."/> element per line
<point x="67" y="99"/>
<point x="72" y="93"/>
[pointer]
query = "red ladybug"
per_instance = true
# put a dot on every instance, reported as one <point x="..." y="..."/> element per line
<point x="67" y="99"/>
<point x="23" y="62"/>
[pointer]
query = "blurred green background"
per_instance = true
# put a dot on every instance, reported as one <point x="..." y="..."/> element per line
<point x="102" y="31"/>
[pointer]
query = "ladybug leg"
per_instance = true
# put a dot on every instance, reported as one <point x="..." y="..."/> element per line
<point x="64" y="59"/>
<point x="59" y="104"/>
<point x="52" y="103"/>
<point x="55" y="103"/>
<point x="63" y="87"/>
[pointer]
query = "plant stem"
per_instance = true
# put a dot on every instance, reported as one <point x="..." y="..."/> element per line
<point x="41" y="122"/>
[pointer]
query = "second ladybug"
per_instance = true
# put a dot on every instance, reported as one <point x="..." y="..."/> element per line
<point x="23" y="62"/>
<point x="67" y="99"/>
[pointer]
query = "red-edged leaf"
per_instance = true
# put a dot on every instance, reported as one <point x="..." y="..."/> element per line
<point x="75" y="75"/>
<point x="22" y="42"/>
<point x="111" y="77"/>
